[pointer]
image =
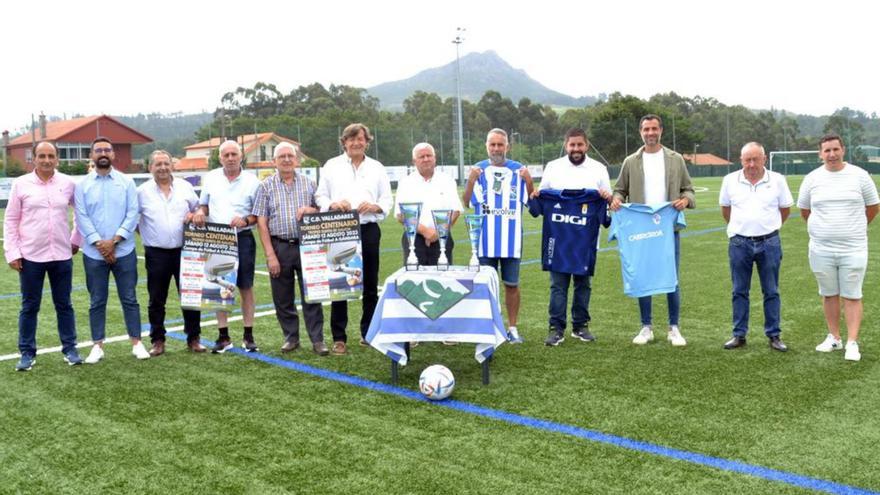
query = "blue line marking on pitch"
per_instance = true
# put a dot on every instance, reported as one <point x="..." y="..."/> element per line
<point x="797" y="480"/>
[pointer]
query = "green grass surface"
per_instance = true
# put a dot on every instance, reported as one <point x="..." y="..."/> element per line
<point x="185" y="423"/>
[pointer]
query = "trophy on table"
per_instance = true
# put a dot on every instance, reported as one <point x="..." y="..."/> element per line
<point x="475" y="226"/>
<point x="411" y="213"/>
<point x="442" y="218"/>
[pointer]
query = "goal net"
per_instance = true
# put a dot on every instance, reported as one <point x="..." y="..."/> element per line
<point x="794" y="162"/>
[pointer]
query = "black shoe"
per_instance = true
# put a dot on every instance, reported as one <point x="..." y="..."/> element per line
<point x="735" y="342"/>
<point x="777" y="344"/>
<point x="555" y="338"/>
<point x="221" y="346"/>
<point x="583" y="333"/>
<point x="249" y="346"/>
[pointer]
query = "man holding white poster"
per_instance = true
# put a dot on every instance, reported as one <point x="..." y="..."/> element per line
<point x="281" y="201"/>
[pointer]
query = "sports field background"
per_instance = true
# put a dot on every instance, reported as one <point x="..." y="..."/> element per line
<point x="185" y="423"/>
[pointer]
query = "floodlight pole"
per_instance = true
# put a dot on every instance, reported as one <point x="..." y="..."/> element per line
<point x="459" y="39"/>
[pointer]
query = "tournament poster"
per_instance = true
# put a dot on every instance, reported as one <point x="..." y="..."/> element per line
<point x="332" y="260"/>
<point x="209" y="267"/>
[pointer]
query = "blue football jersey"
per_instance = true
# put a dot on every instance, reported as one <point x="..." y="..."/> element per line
<point x="570" y="233"/>
<point x="645" y="239"/>
<point x="500" y="194"/>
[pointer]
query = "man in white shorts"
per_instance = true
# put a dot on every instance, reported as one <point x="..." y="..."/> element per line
<point x="838" y="200"/>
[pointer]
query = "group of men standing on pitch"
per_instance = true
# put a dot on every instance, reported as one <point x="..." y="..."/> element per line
<point x="838" y="200"/>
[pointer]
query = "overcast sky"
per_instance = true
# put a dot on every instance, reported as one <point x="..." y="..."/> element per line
<point x="165" y="56"/>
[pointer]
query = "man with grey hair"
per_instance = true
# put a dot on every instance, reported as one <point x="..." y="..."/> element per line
<point x="498" y="188"/>
<point x="280" y="203"/>
<point x="436" y="191"/>
<point x="165" y="204"/>
<point x="755" y="203"/>
<point x="228" y="198"/>
<point x="353" y="181"/>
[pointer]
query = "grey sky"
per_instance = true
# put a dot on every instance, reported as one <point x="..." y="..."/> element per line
<point x="164" y="56"/>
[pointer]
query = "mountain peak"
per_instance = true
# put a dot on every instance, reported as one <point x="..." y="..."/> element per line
<point x="480" y="72"/>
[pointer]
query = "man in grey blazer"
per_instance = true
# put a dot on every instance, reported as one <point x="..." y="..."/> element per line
<point x="655" y="174"/>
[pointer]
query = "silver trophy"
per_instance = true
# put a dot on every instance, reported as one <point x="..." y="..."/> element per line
<point x="475" y="226"/>
<point x="411" y="213"/>
<point x="442" y="218"/>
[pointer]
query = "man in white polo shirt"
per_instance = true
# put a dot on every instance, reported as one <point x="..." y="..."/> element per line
<point x="755" y="202"/>
<point x="227" y="197"/>
<point x="436" y="191"/>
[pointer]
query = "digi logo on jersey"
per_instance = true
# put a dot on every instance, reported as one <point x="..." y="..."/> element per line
<point x="570" y="219"/>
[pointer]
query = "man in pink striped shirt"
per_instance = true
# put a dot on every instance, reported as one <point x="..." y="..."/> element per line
<point x="39" y="241"/>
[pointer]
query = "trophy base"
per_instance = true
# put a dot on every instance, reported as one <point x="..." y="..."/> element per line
<point x="474" y="264"/>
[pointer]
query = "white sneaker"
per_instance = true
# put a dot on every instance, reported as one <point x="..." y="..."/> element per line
<point x="513" y="336"/>
<point x="674" y="336"/>
<point x="645" y="335"/>
<point x="831" y="344"/>
<point x="95" y="355"/>
<point x="139" y="351"/>
<point x="852" y="351"/>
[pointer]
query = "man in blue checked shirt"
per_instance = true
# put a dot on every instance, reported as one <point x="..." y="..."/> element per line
<point x="106" y="207"/>
<point x="280" y="203"/>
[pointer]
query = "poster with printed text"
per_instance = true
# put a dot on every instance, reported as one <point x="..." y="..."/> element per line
<point x="209" y="267"/>
<point x="332" y="261"/>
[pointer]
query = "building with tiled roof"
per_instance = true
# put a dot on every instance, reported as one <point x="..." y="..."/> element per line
<point x="73" y="139"/>
<point x="705" y="159"/>
<point x="258" y="149"/>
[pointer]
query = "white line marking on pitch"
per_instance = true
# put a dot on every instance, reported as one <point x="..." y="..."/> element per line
<point x="121" y="338"/>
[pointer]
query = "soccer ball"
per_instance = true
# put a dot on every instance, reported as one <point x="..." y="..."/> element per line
<point x="436" y="382"/>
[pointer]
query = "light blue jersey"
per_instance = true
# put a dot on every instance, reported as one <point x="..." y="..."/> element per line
<point x="645" y="238"/>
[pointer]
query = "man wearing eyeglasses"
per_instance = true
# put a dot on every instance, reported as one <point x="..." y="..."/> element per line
<point x="281" y="201"/>
<point x="106" y="206"/>
<point x="228" y="198"/>
<point x="166" y="204"/>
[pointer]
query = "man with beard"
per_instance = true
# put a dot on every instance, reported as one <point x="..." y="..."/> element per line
<point x="652" y="175"/>
<point x="498" y="188"/>
<point x="106" y="215"/>
<point x="436" y="191"/>
<point x="353" y="181"/>
<point x="39" y="242"/>
<point x="573" y="171"/>
<point x="166" y="204"/>
<point x="228" y="197"/>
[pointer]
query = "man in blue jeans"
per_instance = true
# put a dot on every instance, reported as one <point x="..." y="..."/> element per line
<point x="39" y="242"/>
<point x="755" y="202"/>
<point x="652" y="175"/>
<point x="106" y="207"/>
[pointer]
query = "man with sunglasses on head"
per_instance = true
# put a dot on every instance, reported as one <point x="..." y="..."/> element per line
<point x="106" y="215"/>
